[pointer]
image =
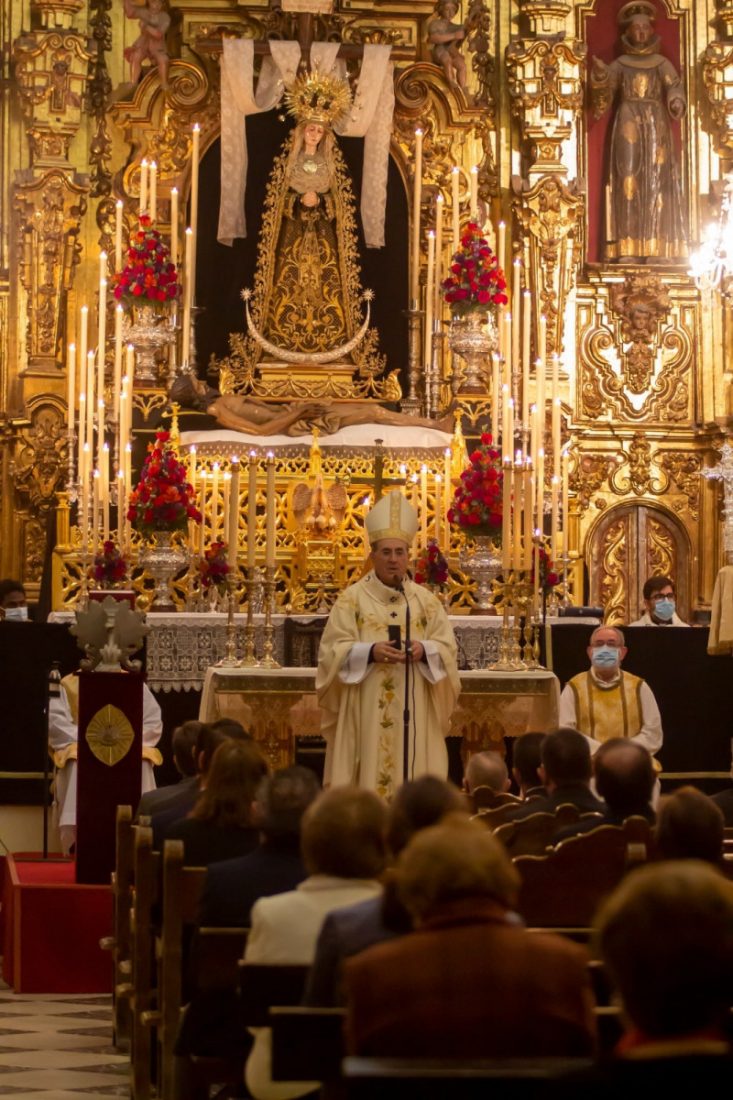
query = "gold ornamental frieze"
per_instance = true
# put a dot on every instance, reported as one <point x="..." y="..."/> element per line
<point x="635" y="355"/>
<point x="717" y="78"/>
<point x="51" y="70"/>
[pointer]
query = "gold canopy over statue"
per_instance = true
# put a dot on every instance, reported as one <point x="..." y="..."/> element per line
<point x="306" y="303"/>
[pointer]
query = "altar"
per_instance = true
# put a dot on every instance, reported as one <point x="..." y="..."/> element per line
<point x="278" y="705"/>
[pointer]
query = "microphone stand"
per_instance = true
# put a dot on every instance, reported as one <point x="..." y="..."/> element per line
<point x="408" y="673"/>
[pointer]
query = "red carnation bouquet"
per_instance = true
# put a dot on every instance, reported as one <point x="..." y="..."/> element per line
<point x="477" y="501"/>
<point x="109" y="568"/>
<point x="149" y="278"/>
<point x="549" y="579"/>
<point x="476" y="281"/>
<point x="213" y="566"/>
<point x="163" y="499"/>
<point x="431" y="567"/>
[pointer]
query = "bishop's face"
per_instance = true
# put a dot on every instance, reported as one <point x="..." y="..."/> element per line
<point x="390" y="557"/>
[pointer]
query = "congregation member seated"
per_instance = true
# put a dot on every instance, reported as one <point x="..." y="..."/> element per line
<point x="13" y="601"/>
<point x="565" y="772"/>
<point x="666" y="938"/>
<point x="417" y="804"/>
<point x="221" y="825"/>
<point x="526" y="763"/>
<point x="183" y="745"/>
<point x="63" y="742"/>
<point x="470" y="981"/>
<point x="690" y="826"/>
<point x="659" y="603"/>
<point x="233" y="885"/>
<point x="486" y="769"/>
<point x="183" y="800"/>
<point x="624" y="779"/>
<point x="344" y="853"/>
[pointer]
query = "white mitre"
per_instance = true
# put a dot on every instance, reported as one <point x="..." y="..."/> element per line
<point x="392" y="517"/>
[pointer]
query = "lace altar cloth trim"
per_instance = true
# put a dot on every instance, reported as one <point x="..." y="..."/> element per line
<point x="358" y="437"/>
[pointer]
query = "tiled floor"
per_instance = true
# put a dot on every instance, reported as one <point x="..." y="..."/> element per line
<point x="58" y="1048"/>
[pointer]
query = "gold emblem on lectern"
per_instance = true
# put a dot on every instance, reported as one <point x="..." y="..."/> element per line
<point x="110" y="735"/>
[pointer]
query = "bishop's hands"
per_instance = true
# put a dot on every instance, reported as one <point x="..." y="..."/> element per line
<point x="384" y="653"/>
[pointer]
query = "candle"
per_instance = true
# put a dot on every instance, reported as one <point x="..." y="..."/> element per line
<point x="120" y="508"/>
<point x="540" y="488"/>
<point x="416" y="204"/>
<point x="518" y="497"/>
<point x="233" y="526"/>
<point x="226" y="489"/>
<point x="540" y="391"/>
<point x="509" y="444"/>
<point x="536" y="559"/>
<point x="517" y="317"/>
<point x="526" y="314"/>
<point x="187" y="299"/>
<point x="143" y="187"/>
<point x="252" y="511"/>
<point x="500" y="239"/>
<point x="71" y="385"/>
<point x="119" y="206"/>
<point x="507" y="344"/>
<point x="506" y="440"/>
<point x="448" y="491"/>
<point x="195" y="157"/>
<point x="555" y="510"/>
<point x="423" y="506"/>
<point x="528" y="515"/>
<point x="495" y="399"/>
<point x="89" y="435"/>
<point x="455" y="207"/>
<point x="174" y="225"/>
<point x="100" y="431"/>
<point x="565" y="502"/>
<point x="82" y="431"/>
<point x="556" y="440"/>
<point x="83" y="341"/>
<point x="192" y="466"/>
<point x="474" y="193"/>
<point x="439" y="507"/>
<point x="130" y="372"/>
<point x="533" y="443"/>
<point x="101" y="336"/>
<point x="438" y="252"/>
<point x="542" y="350"/>
<point x="214" y="523"/>
<point x="506" y="512"/>
<point x="429" y="301"/>
<point x="270" y="506"/>
<point x="153" y="190"/>
<point x="105" y="492"/>
<point x="118" y="365"/>
<point x="84" y="513"/>
<point x="202" y="510"/>
<point x="95" y="511"/>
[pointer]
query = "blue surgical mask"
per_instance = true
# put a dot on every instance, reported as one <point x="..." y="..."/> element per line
<point x="664" y="609"/>
<point x="17" y="614"/>
<point x="605" y="656"/>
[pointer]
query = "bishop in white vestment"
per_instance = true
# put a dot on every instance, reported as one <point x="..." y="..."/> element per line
<point x="361" y="672"/>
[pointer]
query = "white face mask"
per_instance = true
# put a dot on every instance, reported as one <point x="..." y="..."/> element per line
<point x="16" y="614"/>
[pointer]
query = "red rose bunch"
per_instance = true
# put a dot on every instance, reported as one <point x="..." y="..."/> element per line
<point x="476" y="281"/>
<point x="149" y="278"/>
<point x="109" y="567"/>
<point x="163" y="499"/>
<point x="548" y="577"/>
<point x="431" y="567"/>
<point x="477" y="501"/>
<point x="213" y="566"/>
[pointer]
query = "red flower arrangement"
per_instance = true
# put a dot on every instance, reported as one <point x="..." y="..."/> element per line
<point x="431" y="567"/>
<point x="213" y="566"/>
<point x="149" y="278"/>
<point x="109" y="567"/>
<point x="476" y="281"/>
<point x="477" y="501"/>
<point x="163" y="499"/>
<point x="548" y="577"/>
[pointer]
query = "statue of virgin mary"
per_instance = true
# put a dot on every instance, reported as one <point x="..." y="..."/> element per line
<point x="306" y="299"/>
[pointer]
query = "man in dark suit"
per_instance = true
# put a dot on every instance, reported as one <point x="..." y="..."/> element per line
<point x="526" y="761"/>
<point x="183" y="745"/>
<point x="566" y="774"/>
<point x="470" y="981"/>
<point x="624" y="774"/>
<point x="234" y="885"/>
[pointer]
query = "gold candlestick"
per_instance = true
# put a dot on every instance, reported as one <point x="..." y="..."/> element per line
<point x="250" y="660"/>
<point x="268" y="661"/>
<point x="229" y="660"/>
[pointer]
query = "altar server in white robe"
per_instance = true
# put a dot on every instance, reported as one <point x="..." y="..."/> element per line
<point x="361" y="672"/>
<point x="63" y="736"/>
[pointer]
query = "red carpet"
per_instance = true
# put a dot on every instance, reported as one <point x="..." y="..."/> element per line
<point x="52" y="929"/>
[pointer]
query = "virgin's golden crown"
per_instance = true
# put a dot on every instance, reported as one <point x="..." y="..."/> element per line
<point x="318" y="97"/>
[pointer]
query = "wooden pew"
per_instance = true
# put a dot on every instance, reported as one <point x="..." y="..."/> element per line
<point x="118" y="943"/>
<point x="486" y="798"/>
<point x="532" y="835"/>
<point x="307" y="1043"/>
<point x="144" y="1014"/>
<point x="564" y="887"/>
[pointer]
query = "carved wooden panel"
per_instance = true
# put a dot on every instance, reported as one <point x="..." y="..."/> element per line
<point x="628" y="544"/>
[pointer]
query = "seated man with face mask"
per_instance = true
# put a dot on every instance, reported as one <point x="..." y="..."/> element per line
<point x="13" y="602"/>
<point x="607" y="702"/>
<point x="660" y="603"/>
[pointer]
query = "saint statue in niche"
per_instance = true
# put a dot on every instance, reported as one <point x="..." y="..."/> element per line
<point x="307" y="290"/>
<point x="644" y="215"/>
<point x="150" y="45"/>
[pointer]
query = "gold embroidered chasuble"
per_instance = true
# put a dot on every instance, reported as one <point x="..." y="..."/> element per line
<point x="605" y="712"/>
<point x="362" y="721"/>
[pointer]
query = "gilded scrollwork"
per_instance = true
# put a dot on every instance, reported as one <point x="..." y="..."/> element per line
<point x="683" y="468"/>
<point x="639" y="478"/>
<point x="591" y="472"/>
<point x="478" y="45"/>
<point x="642" y="304"/>
<point x="613" y="571"/>
<point x="40" y="462"/>
<point x="661" y="551"/>
<point x="51" y="74"/>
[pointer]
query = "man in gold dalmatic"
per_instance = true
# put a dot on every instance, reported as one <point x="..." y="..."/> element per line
<point x="644" y="216"/>
<point x="361" y="671"/>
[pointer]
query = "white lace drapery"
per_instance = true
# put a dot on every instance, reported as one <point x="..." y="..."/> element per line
<point x="370" y="117"/>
